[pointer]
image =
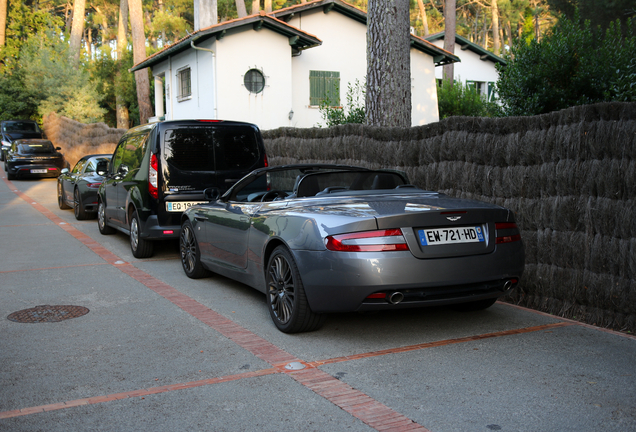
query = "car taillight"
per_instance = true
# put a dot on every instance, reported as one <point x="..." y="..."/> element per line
<point x="512" y="237"/>
<point x="93" y="185"/>
<point x="368" y="241"/>
<point x="265" y="160"/>
<point x="152" y="177"/>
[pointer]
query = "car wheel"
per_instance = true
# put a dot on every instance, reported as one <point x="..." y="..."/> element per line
<point x="140" y="248"/>
<point x="474" y="306"/>
<point x="78" y="207"/>
<point x="190" y="253"/>
<point x="286" y="297"/>
<point x="60" y="197"/>
<point x="101" y="220"/>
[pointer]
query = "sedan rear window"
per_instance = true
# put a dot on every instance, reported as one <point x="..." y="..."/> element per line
<point x="36" y="148"/>
<point x="20" y="127"/>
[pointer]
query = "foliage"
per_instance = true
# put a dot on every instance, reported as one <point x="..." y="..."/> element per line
<point x="463" y="100"/>
<point x="571" y="66"/>
<point x="599" y="13"/>
<point x="15" y="100"/>
<point x="351" y="112"/>
<point x="54" y="84"/>
<point x="108" y="83"/>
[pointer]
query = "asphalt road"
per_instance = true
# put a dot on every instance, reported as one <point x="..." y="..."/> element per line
<point x="160" y="352"/>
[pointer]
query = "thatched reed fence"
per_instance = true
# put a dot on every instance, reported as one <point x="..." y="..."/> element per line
<point x="77" y="139"/>
<point x="570" y="176"/>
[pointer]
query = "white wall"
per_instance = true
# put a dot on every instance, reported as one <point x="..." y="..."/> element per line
<point x="270" y="52"/>
<point x="344" y="50"/>
<point x="471" y="68"/>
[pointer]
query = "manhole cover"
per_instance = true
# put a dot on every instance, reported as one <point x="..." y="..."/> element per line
<point x="47" y="313"/>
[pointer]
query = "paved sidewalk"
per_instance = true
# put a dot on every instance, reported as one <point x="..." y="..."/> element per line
<point x="161" y="352"/>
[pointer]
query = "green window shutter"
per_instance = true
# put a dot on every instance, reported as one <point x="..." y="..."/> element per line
<point x="323" y="85"/>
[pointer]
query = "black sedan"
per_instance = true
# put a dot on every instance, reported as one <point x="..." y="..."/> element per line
<point x="28" y="158"/>
<point x="329" y="238"/>
<point x="11" y="130"/>
<point x="78" y="188"/>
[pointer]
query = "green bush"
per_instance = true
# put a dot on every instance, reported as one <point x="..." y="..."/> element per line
<point x="463" y="100"/>
<point x="352" y="112"/>
<point x="573" y="65"/>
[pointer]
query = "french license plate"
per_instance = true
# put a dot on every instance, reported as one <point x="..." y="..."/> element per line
<point x="39" y="171"/>
<point x="441" y="236"/>
<point x="179" y="206"/>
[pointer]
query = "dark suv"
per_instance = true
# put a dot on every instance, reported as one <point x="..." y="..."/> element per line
<point x="11" y="130"/>
<point x="159" y="170"/>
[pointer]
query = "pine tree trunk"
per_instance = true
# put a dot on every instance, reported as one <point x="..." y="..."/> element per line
<point x="3" y="21"/>
<point x="256" y="6"/>
<point x="420" y="4"/>
<point x="388" y="95"/>
<point x="77" y="29"/>
<point x="123" y="116"/>
<point x="495" y="27"/>
<point x="450" y="11"/>
<point x="240" y="8"/>
<point x="139" y="54"/>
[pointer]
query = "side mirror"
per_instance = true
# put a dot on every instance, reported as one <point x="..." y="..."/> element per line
<point x="102" y="168"/>
<point x="211" y="194"/>
<point x="64" y="171"/>
<point x="58" y="148"/>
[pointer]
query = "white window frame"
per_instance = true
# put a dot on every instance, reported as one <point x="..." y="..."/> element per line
<point x="180" y="83"/>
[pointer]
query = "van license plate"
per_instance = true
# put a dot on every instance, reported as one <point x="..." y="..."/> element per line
<point x="179" y="206"/>
<point x="440" y="236"/>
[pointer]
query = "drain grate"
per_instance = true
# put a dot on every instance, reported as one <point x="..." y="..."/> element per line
<point x="46" y="313"/>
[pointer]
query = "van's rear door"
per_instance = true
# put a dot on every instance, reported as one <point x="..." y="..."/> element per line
<point x="196" y="155"/>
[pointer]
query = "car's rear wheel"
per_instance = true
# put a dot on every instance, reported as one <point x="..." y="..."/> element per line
<point x="286" y="297"/>
<point x="140" y="248"/>
<point x="60" y="197"/>
<point x="190" y="253"/>
<point x="101" y="220"/>
<point x="78" y="207"/>
<point x="474" y="306"/>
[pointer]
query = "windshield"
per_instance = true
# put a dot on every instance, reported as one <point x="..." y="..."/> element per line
<point x="301" y="182"/>
<point x="19" y="126"/>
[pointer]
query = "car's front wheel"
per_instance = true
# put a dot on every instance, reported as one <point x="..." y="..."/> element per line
<point x="190" y="253"/>
<point x="78" y="207"/>
<point x="101" y="220"/>
<point x="60" y="197"/>
<point x="286" y="297"/>
<point x="140" y="248"/>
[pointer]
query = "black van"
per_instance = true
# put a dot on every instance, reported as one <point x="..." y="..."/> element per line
<point x="159" y="170"/>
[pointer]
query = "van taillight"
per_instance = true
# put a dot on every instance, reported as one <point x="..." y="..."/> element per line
<point x="152" y="177"/>
<point x="265" y="159"/>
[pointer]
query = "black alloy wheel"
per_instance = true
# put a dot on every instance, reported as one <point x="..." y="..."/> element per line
<point x="140" y="248"/>
<point x="190" y="253"/>
<point x="60" y="197"/>
<point x="101" y="220"/>
<point x="78" y="207"/>
<point x="286" y="297"/>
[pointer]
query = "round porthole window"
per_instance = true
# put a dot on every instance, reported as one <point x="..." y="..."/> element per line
<point x="254" y="81"/>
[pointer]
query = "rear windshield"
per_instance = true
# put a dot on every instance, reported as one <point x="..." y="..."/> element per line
<point x="208" y="148"/>
<point x="20" y="127"/>
<point x="36" y="148"/>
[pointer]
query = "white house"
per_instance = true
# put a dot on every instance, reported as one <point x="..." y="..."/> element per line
<point x="477" y="67"/>
<point x="273" y="69"/>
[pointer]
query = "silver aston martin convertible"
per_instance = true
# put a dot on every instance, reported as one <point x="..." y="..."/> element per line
<point x="331" y="238"/>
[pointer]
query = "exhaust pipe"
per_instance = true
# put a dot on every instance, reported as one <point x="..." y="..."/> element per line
<point x="396" y="297"/>
<point x="507" y="285"/>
